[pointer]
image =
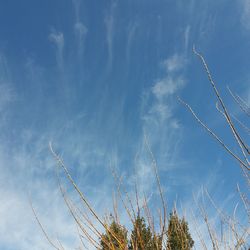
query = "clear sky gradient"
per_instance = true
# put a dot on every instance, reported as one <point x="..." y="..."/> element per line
<point x="95" y="77"/>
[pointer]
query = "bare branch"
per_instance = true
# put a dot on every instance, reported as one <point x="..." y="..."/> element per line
<point x="213" y="134"/>
<point x="227" y="116"/>
<point x="242" y="104"/>
<point x="159" y="185"/>
<point x="84" y="200"/>
<point x="42" y="228"/>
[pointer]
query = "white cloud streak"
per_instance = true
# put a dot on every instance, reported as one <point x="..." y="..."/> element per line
<point x="109" y="23"/>
<point x="33" y="169"/>
<point x="18" y="228"/>
<point x="216" y="215"/>
<point x="58" y="39"/>
<point x="6" y="96"/>
<point x="132" y="28"/>
<point x="79" y="28"/>
<point x="174" y="63"/>
<point x="159" y="124"/>
<point x="77" y="4"/>
<point x="4" y="69"/>
<point x="245" y="16"/>
<point x="80" y="32"/>
<point x="166" y="87"/>
<point x="28" y="168"/>
<point x="187" y="38"/>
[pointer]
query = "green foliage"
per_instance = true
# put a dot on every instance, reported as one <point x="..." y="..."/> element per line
<point x="178" y="234"/>
<point x="115" y="237"/>
<point x="142" y="237"/>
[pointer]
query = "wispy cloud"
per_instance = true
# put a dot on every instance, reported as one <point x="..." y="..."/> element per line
<point x="34" y="169"/>
<point x="174" y="63"/>
<point x="167" y="87"/>
<point x="81" y="32"/>
<point x="187" y="38"/>
<point x="18" y="228"/>
<point x="79" y="28"/>
<point x="217" y="206"/>
<point x="4" y="69"/>
<point x="28" y="168"/>
<point x="132" y="28"/>
<point x="159" y="124"/>
<point x="109" y="23"/>
<point x="7" y="93"/>
<point x="58" y="39"/>
<point x="6" y="96"/>
<point x="164" y="88"/>
<point x="245" y="16"/>
<point x="77" y="5"/>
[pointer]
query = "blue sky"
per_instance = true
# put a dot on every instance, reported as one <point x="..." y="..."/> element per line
<point x="94" y="77"/>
